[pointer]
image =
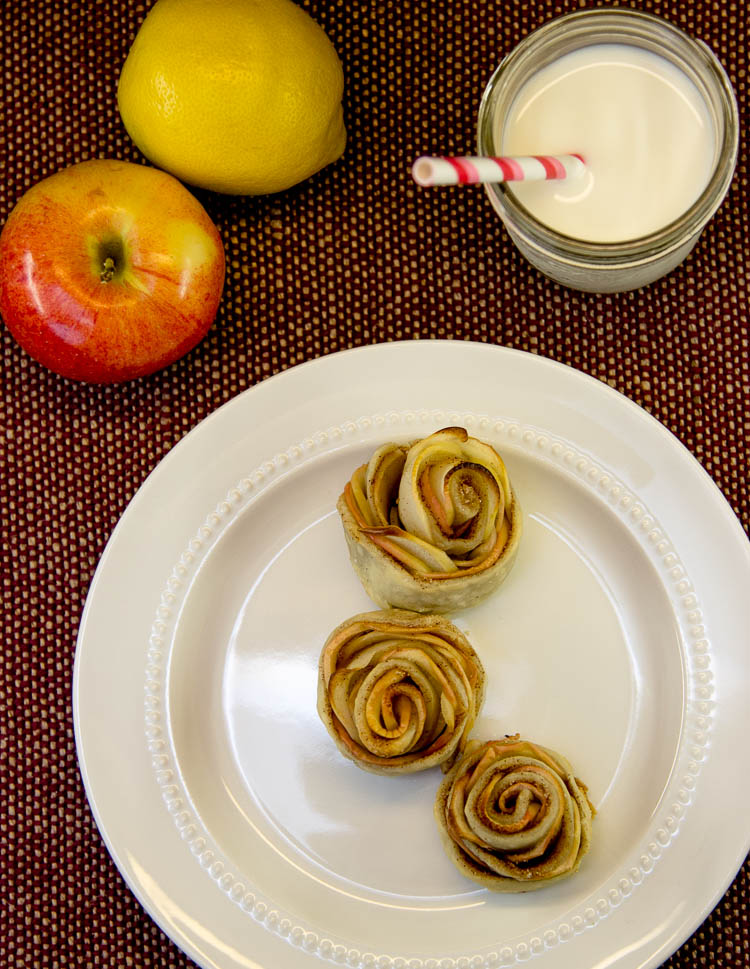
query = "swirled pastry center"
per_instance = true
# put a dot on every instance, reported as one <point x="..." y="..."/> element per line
<point x="438" y="507"/>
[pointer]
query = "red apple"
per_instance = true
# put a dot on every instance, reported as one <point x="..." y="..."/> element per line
<point x="109" y="271"/>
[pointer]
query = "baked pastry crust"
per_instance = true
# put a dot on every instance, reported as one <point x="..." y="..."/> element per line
<point x="512" y="816"/>
<point x="433" y="526"/>
<point x="399" y="692"/>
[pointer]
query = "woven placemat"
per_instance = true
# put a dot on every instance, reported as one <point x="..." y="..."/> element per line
<point x="356" y="255"/>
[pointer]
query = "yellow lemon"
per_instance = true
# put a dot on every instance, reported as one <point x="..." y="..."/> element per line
<point x="236" y="96"/>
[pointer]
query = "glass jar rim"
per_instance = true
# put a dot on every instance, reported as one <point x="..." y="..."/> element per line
<point x="676" y="233"/>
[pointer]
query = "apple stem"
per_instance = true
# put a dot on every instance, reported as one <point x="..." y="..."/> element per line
<point x="108" y="271"/>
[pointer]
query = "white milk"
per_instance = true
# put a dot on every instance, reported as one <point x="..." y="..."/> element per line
<point x="642" y="127"/>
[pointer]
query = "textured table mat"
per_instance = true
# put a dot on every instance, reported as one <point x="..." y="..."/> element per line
<point x="356" y="255"/>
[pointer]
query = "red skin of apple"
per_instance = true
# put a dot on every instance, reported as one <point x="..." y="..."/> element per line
<point x="109" y="271"/>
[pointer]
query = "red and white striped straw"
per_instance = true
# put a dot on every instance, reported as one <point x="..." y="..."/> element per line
<point x="522" y="168"/>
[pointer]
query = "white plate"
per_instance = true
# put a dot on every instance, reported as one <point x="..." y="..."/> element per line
<point x="620" y="639"/>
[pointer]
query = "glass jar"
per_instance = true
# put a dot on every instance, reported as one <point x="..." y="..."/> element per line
<point x="619" y="266"/>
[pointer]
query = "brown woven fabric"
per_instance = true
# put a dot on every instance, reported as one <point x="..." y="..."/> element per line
<point x="356" y="255"/>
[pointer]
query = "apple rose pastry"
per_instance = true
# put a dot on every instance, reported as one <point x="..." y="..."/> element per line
<point x="431" y="526"/>
<point x="398" y="691"/>
<point x="512" y="816"/>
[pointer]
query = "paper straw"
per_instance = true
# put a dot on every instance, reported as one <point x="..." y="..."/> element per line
<point x="468" y="171"/>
